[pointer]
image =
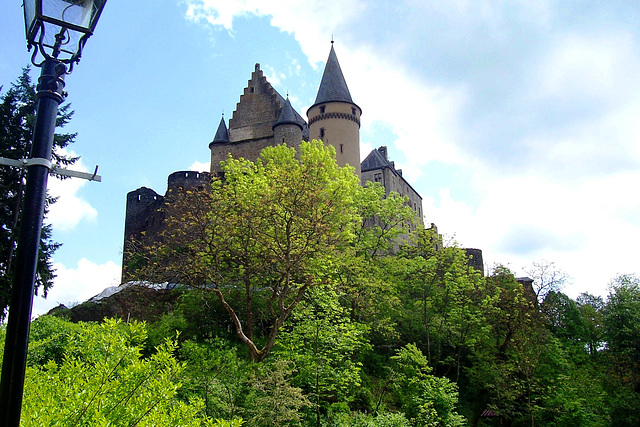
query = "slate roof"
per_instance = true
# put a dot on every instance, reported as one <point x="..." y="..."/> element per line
<point x="222" y="134"/>
<point x="302" y="122"/>
<point x="375" y="160"/>
<point x="288" y="116"/>
<point x="333" y="86"/>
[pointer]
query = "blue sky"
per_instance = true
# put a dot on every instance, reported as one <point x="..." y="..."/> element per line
<point x="516" y="121"/>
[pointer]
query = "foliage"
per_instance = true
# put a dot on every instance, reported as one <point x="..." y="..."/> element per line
<point x="426" y="399"/>
<point x="273" y="401"/>
<point x="101" y="379"/>
<point x="384" y="219"/>
<point x="17" y="118"/>
<point x="217" y="375"/>
<point x="323" y="344"/>
<point x="622" y="337"/>
<point x="261" y="238"/>
<point x="359" y="419"/>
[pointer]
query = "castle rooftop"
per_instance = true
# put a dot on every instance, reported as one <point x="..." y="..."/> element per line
<point x="222" y="134"/>
<point x="333" y="87"/>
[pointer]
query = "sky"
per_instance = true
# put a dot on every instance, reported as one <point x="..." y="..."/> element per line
<point x="517" y="121"/>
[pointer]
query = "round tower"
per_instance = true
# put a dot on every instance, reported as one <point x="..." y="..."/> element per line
<point x="219" y="147"/>
<point x="334" y="117"/>
<point x="287" y="129"/>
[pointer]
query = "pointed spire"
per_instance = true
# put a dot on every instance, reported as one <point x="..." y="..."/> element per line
<point x="222" y="135"/>
<point x="333" y="86"/>
<point x="287" y="116"/>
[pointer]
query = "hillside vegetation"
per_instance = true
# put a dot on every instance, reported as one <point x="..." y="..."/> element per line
<point x="307" y="300"/>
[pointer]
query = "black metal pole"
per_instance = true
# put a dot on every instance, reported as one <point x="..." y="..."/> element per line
<point x="50" y="95"/>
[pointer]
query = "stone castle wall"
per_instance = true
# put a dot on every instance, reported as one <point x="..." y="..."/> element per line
<point x="145" y="216"/>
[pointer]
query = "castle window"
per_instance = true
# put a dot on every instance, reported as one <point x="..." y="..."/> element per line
<point x="322" y="109"/>
<point x="321" y="132"/>
<point x="353" y="111"/>
<point x="377" y="177"/>
<point x="251" y="89"/>
<point x="341" y="146"/>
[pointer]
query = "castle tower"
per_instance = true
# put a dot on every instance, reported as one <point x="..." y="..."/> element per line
<point x="254" y="123"/>
<point x="222" y="134"/>
<point x="287" y="129"/>
<point x="334" y="117"/>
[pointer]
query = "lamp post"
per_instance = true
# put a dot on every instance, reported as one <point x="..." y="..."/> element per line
<point x="57" y="30"/>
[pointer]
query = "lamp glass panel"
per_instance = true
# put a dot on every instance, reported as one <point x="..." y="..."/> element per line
<point x="69" y="18"/>
<point x="78" y="13"/>
<point x="29" y="18"/>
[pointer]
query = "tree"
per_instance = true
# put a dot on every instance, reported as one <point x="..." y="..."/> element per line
<point x="273" y="401"/>
<point x="17" y="117"/>
<point x="546" y="278"/>
<point x="591" y="308"/>
<point x="215" y="374"/>
<point x="426" y="399"/>
<point x="445" y="302"/>
<point x="261" y="238"/>
<point x="100" y="378"/>
<point x="323" y="344"/>
<point x="622" y="338"/>
<point x="384" y="220"/>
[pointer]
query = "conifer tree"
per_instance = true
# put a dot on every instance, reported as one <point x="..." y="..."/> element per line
<point x="17" y="117"/>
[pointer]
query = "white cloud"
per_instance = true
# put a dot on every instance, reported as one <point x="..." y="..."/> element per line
<point x="73" y="285"/>
<point x="200" y="166"/>
<point x="590" y="65"/>
<point x="70" y="207"/>
<point x="544" y="120"/>
<point x="311" y="23"/>
<point x="274" y="77"/>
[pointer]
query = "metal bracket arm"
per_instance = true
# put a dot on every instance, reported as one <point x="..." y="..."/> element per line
<point x="53" y="169"/>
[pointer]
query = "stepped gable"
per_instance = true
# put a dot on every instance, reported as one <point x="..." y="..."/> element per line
<point x="222" y="134"/>
<point x="333" y="87"/>
<point x="257" y="111"/>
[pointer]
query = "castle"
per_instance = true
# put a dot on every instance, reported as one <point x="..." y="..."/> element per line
<point x="264" y="118"/>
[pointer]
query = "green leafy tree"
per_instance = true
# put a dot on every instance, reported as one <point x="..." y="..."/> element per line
<point x="324" y="343"/>
<point x="591" y="308"/>
<point x="446" y="304"/>
<point x="565" y="320"/>
<point x="385" y="220"/>
<point x="426" y="399"/>
<point x="262" y="238"/>
<point x="217" y="375"/>
<point x="273" y="401"/>
<point x="385" y="224"/>
<point x="17" y="118"/>
<point x="622" y="338"/>
<point x="101" y="379"/>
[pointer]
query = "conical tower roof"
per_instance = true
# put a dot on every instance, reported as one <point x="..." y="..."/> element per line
<point x="222" y="134"/>
<point x="333" y="86"/>
<point x="287" y="116"/>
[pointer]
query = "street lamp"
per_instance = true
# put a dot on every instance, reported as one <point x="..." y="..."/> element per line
<point x="58" y="29"/>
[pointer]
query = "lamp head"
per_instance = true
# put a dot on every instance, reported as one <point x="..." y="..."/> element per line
<point x="60" y="28"/>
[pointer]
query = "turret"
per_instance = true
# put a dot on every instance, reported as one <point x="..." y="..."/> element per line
<point x="334" y="117"/>
<point x="288" y="129"/>
<point x="221" y="139"/>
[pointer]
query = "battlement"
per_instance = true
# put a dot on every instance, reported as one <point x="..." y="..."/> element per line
<point x="188" y="180"/>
